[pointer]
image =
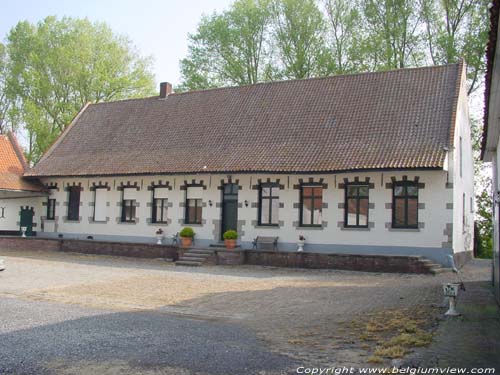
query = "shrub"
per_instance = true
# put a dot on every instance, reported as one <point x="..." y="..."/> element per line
<point x="187" y="232"/>
<point x="230" y="235"/>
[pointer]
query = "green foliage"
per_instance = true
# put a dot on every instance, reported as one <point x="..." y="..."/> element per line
<point x="228" y="48"/>
<point x="299" y="29"/>
<point x="187" y="232"/>
<point x="230" y="235"/>
<point x="59" y="65"/>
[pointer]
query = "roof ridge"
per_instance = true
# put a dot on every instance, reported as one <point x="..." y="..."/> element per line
<point x="125" y="100"/>
<point x="338" y="76"/>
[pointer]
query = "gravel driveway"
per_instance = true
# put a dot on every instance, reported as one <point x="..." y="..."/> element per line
<point x="185" y="319"/>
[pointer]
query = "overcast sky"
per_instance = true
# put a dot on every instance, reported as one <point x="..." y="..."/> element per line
<point x="158" y="28"/>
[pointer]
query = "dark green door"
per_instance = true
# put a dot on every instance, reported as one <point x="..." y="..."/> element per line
<point x="229" y="208"/>
<point x="26" y="220"/>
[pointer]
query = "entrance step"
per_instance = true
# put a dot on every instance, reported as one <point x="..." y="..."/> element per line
<point x="194" y="257"/>
<point x="433" y="268"/>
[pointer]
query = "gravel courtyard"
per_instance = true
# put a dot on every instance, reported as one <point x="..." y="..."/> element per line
<point x="118" y="315"/>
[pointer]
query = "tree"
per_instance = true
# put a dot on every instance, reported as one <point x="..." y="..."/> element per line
<point x="299" y="29"/>
<point x="228" y="48"/>
<point x="58" y="65"/>
<point x="5" y="103"/>
<point x="392" y="38"/>
<point x="343" y="18"/>
<point x="457" y="29"/>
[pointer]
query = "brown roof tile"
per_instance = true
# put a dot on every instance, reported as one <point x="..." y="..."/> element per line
<point x="394" y="119"/>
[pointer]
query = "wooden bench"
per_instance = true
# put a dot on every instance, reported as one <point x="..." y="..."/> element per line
<point x="265" y="241"/>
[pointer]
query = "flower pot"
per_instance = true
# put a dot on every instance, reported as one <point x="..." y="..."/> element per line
<point x="230" y="244"/>
<point x="300" y="245"/>
<point x="159" y="239"/>
<point x="186" y="242"/>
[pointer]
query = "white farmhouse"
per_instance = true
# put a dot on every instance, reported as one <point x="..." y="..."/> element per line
<point x="373" y="163"/>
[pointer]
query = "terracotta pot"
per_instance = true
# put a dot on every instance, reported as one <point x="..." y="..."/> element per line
<point x="230" y="244"/>
<point x="186" y="242"/>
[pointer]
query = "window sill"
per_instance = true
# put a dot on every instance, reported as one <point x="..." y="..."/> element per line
<point x="127" y="222"/>
<point x="404" y="230"/>
<point x="311" y="227"/>
<point x="98" y="222"/>
<point x="161" y="224"/>
<point x="192" y="225"/>
<point x="365" y="229"/>
<point x="274" y="226"/>
<point x="72" y="221"/>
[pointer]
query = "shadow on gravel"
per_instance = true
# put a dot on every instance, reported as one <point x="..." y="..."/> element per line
<point x="144" y="340"/>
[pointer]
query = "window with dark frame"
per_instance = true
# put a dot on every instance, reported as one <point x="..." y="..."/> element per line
<point x="74" y="203"/>
<point x="51" y="209"/>
<point x="128" y="211"/>
<point x="194" y="207"/>
<point x="356" y="205"/>
<point x="311" y="206"/>
<point x="160" y="206"/>
<point x="269" y="205"/>
<point x="405" y="205"/>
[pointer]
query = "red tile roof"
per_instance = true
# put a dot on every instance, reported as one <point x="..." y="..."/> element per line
<point x="13" y="165"/>
<point x="394" y="119"/>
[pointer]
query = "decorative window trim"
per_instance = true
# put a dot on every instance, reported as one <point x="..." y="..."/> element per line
<point x="100" y="185"/>
<point x="160" y="184"/>
<point x="128" y="185"/>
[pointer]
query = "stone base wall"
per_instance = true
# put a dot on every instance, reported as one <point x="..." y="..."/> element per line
<point x="90" y="247"/>
<point x="29" y="243"/>
<point x="370" y="263"/>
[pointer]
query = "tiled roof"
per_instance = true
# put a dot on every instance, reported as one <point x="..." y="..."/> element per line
<point x="394" y="119"/>
<point x="13" y="165"/>
<point x="490" y="59"/>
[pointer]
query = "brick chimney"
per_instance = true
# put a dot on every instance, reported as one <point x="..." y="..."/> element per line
<point x="165" y="89"/>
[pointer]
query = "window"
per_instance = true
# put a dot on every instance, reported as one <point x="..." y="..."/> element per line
<point x="194" y="205"/>
<point x="160" y="205"/>
<point x="128" y="205"/>
<point x="311" y="206"/>
<point x="405" y="205"/>
<point x="269" y="204"/>
<point x="356" y="205"/>
<point x="463" y="211"/>
<point x="461" y="156"/>
<point x="100" y="204"/>
<point x="74" y="203"/>
<point x="51" y="209"/>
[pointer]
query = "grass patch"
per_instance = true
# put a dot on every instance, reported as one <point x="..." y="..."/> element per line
<point x="396" y="351"/>
<point x="392" y="333"/>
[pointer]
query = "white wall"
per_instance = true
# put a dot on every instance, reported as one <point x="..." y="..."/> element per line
<point x="11" y="212"/>
<point x="463" y="235"/>
<point x="434" y="217"/>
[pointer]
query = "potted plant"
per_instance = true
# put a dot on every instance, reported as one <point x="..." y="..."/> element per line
<point x="230" y="238"/>
<point x="300" y="243"/>
<point x="186" y="235"/>
<point x="159" y="236"/>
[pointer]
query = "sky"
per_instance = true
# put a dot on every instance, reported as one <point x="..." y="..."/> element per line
<point x="157" y="28"/>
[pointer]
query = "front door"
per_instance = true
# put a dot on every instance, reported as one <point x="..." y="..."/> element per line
<point x="229" y="208"/>
<point x="26" y="220"/>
